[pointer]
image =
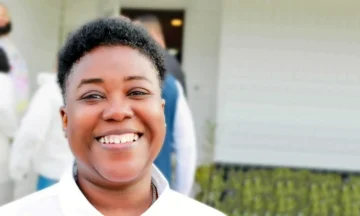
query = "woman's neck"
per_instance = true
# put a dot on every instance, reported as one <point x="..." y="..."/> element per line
<point x="133" y="199"/>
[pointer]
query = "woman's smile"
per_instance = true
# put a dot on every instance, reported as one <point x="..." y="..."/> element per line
<point x="120" y="139"/>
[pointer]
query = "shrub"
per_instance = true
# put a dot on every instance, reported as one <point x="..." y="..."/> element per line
<point x="244" y="191"/>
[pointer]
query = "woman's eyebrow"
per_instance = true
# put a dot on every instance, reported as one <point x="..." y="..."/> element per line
<point x="90" y="81"/>
<point x="100" y="81"/>
<point x="131" y="78"/>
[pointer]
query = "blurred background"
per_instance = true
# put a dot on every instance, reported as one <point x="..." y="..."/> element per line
<point x="273" y="86"/>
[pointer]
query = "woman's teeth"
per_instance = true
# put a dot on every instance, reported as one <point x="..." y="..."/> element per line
<point x="117" y="139"/>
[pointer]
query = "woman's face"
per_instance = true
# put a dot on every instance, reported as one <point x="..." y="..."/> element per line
<point x="114" y="117"/>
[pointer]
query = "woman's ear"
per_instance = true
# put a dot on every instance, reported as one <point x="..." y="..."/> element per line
<point x="163" y="103"/>
<point x="163" y="107"/>
<point x="64" y="119"/>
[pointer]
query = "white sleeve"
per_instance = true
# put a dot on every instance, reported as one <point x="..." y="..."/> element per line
<point x="30" y="135"/>
<point x="184" y="145"/>
<point x="8" y="122"/>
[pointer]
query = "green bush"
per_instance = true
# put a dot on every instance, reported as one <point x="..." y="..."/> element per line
<point x="278" y="192"/>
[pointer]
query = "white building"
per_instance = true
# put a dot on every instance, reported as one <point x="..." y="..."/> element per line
<point x="280" y="78"/>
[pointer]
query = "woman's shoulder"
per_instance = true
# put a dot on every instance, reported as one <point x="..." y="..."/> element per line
<point x="183" y="205"/>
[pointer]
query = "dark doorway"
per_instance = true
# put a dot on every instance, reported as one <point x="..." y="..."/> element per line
<point x="172" y="22"/>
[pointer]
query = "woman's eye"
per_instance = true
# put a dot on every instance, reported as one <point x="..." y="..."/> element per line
<point x="93" y="97"/>
<point x="138" y="93"/>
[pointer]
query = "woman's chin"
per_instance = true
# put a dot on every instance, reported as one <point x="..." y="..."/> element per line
<point x="119" y="178"/>
<point x="123" y="175"/>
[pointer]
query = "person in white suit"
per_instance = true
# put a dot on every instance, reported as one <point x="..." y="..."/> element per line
<point x="8" y="125"/>
<point x="40" y="144"/>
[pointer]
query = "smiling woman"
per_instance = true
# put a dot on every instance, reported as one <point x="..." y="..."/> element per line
<point x="110" y="73"/>
<point x="104" y="101"/>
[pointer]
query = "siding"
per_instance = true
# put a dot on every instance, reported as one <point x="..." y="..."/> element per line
<point x="289" y="84"/>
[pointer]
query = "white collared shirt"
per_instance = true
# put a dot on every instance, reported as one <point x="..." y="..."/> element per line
<point x="66" y="199"/>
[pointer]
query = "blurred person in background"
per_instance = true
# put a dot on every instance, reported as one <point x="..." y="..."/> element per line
<point x="40" y="141"/>
<point x="8" y="127"/>
<point x="18" y="67"/>
<point x="153" y="26"/>
<point x="180" y="132"/>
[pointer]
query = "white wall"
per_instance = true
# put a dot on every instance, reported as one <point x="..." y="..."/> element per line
<point x="200" y="51"/>
<point x="201" y="57"/>
<point x="289" y="83"/>
<point x="77" y="12"/>
<point x="36" y="32"/>
<point x="40" y="27"/>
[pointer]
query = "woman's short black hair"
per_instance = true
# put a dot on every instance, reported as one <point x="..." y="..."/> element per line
<point x="107" y="32"/>
<point x="4" y="62"/>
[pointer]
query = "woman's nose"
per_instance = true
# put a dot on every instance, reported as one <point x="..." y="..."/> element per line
<point x="118" y="110"/>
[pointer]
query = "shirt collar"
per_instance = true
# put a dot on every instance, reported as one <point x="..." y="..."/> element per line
<point x="73" y="202"/>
